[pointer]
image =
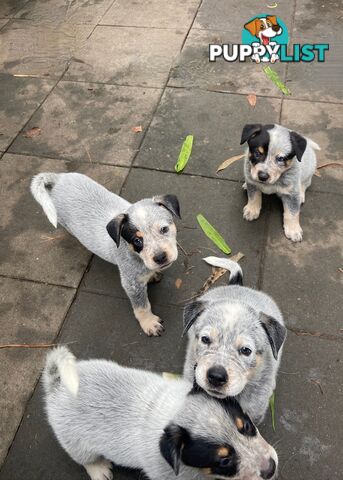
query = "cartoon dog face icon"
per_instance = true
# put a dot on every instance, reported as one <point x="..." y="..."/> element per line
<point x="264" y="28"/>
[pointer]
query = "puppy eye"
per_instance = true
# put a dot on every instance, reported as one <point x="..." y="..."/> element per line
<point x="138" y="242"/>
<point x="248" y="427"/>
<point x="224" y="462"/>
<point x="245" y="351"/>
<point x="205" y="339"/>
<point x="280" y="159"/>
<point x="164" y="230"/>
<point x="257" y="154"/>
<point x="262" y="26"/>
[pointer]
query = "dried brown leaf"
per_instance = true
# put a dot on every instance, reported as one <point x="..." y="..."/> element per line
<point x="178" y="283"/>
<point x="25" y="345"/>
<point x="252" y="99"/>
<point x="217" y="273"/>
<point x="330" y="164"/>
<point x="32" y="132"/>
<point x="137" y="129"/>
<point x="317" y="173"/>
<point x="229" y="162"/>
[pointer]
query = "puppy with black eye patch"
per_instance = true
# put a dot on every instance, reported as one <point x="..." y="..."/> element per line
<point x="102" y="412"/>
<point x="235" y="341"/>
<point x="139" y="238"/>
<point x="280" y="161"/>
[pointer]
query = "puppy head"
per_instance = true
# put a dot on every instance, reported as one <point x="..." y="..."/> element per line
<point x="231" y="344"/>
<point x="218" y="438"/>
<point x="264" y="28"/>
<point x="272" y="150"/>
<point x="149" y="229"/>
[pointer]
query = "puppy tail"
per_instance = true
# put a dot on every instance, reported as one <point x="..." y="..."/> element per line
<point x="60" y="367"/>
<point x="40" y="186"/>
<point x="313" y="144"/>
<point x="236" y="273"/>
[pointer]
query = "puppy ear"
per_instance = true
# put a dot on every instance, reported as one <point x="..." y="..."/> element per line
<point x="170" y="202"/>
<point x="299" y="144"/>
<point x="251" y="27"/>
<point x="249" y="130"/>
<point x="276" y="333"/>
<point x="272" y="18"/>
<point x="171" y="444"/>
<point x="190" y="313"/>
<point x="115" y="226"/>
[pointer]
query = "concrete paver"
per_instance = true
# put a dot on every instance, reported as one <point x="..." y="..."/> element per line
<point x="126" y="52"/>
<point x="9" y="7"/>
<point x="30" y="246"/>
<point x="19" y="98"/>
<point x="29" y="313"/>
<point x="91" y="123"/>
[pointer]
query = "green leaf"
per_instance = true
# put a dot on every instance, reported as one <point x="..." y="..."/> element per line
<point x="274" y="77"/>
<point x="272" y="409"/>
<point x="213" y="235"/>
<point x="185" y="153"/>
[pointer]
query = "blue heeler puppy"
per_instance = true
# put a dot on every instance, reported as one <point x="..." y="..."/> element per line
<point x="139" y="238"/>
<point x="278" y="161"/>
<point x="101" y="412"/>
<point x="235" y="339"/>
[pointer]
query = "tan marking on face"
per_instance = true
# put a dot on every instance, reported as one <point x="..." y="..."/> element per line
<point x="260" y="149"/>
<point x="238" y="342"/>
<point x="239" y="423"/>
<point x="213" y="333"/>
<point x="271" y="167"/>
<point x="139" y="234"/>
<point x="259" y="359"/>
<point x="223" y="452"/>
<point x="206" y="471"/>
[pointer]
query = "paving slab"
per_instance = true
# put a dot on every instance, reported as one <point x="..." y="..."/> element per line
<point x="19" y="98"/>
<point x="308" y="283"/>
<point x="148" y="13"/>
<point x="231" y="15"/>
<point x="29" y="48"/>
<point x="318" y="20"/>
<point x="91" y="123"/>
<point x="9" y="7"/>
<point x="89" y="318"/>
<point x="215" y="120"/>
<point x="31" y="248"/>
<point x="308" y="405"/>
<point x="59" y="11"/>
<point x="324" y="124"/>
<point x="3" y="22"/>
<point x="125" y="54"/>
<point x="30" y="313"/>
<point x="193" y="68"/>
<point x="195" y="195"/>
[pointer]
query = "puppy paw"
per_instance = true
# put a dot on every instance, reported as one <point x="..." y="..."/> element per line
<point x="250" y="212"/>
<point x="156" y="278"/>
<point x="294" y="232"/>
<point x="152" y="326"/>
<point x="101" y="470"/>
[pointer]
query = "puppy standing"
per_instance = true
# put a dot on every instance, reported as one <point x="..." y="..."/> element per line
<point x="234" y="342"/>
<point x="278" y="161"/>
<point x="144" y="232"/>
<point x="101" y="412"/>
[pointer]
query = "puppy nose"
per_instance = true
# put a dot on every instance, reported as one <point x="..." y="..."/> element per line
<point x="275" y="28"/>
<point x="263" y="176"/>
<point x="160" y="258"/>
<point x="267" y="474"/>
<point x="217" y="376"/>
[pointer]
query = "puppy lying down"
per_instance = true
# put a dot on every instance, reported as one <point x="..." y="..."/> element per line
<point x="235" y="339"/>
<point x="101" y="412"/>
<point x="139" y="238"/>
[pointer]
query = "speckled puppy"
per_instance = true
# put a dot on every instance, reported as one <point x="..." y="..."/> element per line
<point x="235" y="338"/>
<point x="101" y="413"/>
<point x="278" y="161"/>
<point x="144" y="232"/>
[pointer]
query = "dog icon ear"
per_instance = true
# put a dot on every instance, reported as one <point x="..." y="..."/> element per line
<point x="170" y="202"/>
<point x="249" y="130"/>
<point x="272" y="19"/>
<point x="190" y="313"/>
<point x="299" y="144"/>
<point x="276" y="332"/>
<point x="115" y="226"/>
<point x="171" y="444"/>
<point x="252" y="26"/>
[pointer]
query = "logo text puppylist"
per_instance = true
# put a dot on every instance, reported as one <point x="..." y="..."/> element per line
<point x="265" y="39"/>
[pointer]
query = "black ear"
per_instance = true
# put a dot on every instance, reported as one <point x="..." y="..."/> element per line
<point x="276" y="332"/>
<point x="249" y="130"/>
<point x="299" y="144"/>
<point x="115" y="226"/>
<point x="170" y="202"/>
<point x="171" y="444"/>
<point x="190" y="313"/>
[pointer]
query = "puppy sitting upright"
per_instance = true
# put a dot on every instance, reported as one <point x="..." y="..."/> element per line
<point x="234" y="342"/>
<point x="144" y="233"/>
<point x="278" y="161"/>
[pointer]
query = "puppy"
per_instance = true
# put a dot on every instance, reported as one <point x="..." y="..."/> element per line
<point x="278" y="161"/>
<point x="264" y="29"/>
<point x="235" y="338"/>
<point x="139" y="238"/>
<point x="101" y="412"/>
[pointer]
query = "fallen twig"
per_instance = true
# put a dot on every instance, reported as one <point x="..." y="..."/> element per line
<point x="33" y="345"/>
<point x="304" y="333"/>
<point x="317" y="382"/>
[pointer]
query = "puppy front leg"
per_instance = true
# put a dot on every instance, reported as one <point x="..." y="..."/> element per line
<point x="138" y="295"/>
<point x="291" y="214"/>
<point x="252" y="209"/>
